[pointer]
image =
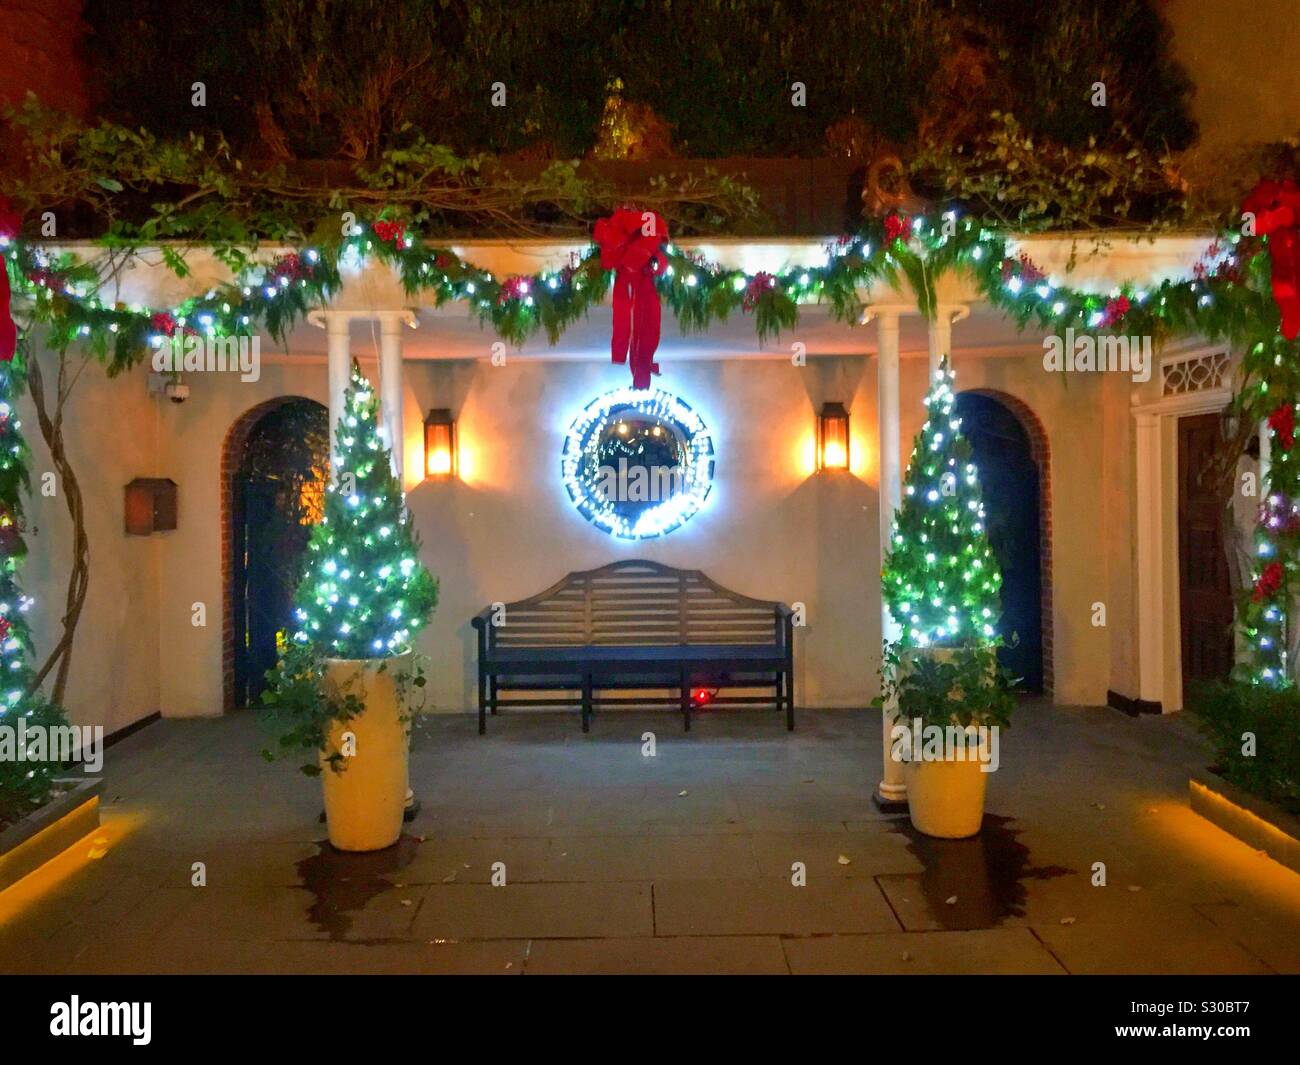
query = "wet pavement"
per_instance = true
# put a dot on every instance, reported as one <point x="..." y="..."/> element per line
<point x="737" y="848"/>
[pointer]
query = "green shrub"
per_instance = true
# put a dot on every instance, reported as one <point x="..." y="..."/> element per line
<point x="25" y="785"/>
<point x="1255" y="731"/>
<point x="948" y="686"/>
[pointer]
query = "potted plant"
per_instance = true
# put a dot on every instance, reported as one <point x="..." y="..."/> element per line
<point x="949" y="704"/>
<point x="940" y="679"/>
<point x="341" y="689"/>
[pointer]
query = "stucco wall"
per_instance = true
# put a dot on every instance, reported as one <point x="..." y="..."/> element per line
<point x="507" y="529"/>
<point x="112" y="434"/>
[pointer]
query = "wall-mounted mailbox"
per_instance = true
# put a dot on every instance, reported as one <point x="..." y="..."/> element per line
<point x="150" y="505"/>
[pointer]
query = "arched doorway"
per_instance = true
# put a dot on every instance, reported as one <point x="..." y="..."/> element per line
<point x="1013" y="479"/>
<point x="276" y="464"/>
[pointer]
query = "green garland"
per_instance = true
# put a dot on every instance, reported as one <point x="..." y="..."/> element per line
<point x="24" y="785"/>
<point x="1228" y="299"/>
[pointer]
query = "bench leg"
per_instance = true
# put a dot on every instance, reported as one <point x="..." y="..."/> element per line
<point x="482" y="702"/>
<point x="586" y="702"/>
<point x="492" y="695"/>
<point x="789" y="700"/>
<point x="686" y="701"/>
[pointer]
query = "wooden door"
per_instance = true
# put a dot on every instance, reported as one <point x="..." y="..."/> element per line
<point x="1205" y="593"/>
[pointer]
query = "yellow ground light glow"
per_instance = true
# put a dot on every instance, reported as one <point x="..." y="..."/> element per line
<point x="81" y="849"/>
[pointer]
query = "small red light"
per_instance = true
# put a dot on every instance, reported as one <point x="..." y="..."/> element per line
<point x="702" y="696"/>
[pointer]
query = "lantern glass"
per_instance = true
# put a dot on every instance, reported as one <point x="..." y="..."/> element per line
<point x="833" y="437"/>
<point x="439" y="444"/>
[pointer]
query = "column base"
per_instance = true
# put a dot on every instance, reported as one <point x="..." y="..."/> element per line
<point x="890" y="802"/>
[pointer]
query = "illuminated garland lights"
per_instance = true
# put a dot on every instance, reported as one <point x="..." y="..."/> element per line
<point x="24" y="785"/>
<point x="940" y="579"/>
<point x="1227" y="299"/>
<point x="580" y="463"/>
<point x="365" y="591"/>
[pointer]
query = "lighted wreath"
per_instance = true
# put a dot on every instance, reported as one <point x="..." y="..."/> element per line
<point x="638" y="463"/>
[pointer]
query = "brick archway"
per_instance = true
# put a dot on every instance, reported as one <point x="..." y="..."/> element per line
<point x="232" y="451"/>
<point x="1041" y="452"/>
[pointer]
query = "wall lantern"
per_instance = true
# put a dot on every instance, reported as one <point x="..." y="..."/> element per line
<point x="440" y="444"/>
<point x="833" y="437"/>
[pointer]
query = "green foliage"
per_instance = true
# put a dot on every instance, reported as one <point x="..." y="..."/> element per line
<point x="321" y="80"/>
<point x="24" y="785"/>
<point x="1228" y="713"/>
<point x="365" y="592"/>
<point x="957" y="686"/>
<point x="139" y="188"/>
<point x="299" y="707"/>
<point x="1030" y="183"/>
<point x="940" y="578"/>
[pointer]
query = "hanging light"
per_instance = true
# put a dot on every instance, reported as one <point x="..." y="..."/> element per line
<point x="440" y="444"/>
<point x="833" y="437"/>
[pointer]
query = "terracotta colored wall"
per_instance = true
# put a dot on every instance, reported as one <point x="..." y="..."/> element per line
<point x="38" y="53"/>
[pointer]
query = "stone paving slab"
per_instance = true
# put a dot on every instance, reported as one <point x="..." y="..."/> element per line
<point x="770" y="907"/>
<point x="534" y="911"/>
<point x="987" y="951"/>
<point x="742" y="955"/>
<point x="652" y="857"/>
<point x="871" y="852"/>
<point x="1185" y="943"/>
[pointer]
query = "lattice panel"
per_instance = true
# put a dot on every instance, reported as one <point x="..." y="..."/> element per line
<point x="1183" y="374"/>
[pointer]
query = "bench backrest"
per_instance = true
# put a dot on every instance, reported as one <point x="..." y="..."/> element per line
<point x="638" y="603"/>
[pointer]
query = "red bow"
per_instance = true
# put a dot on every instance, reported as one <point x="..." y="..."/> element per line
<point x="9" y="223"/>
<point x="1276" y="207"/>
<point x="630" y="243"/>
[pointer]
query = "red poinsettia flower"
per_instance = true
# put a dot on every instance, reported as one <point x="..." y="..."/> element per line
<point x="1115" y="311"/>
<point x="393" y="231"/>
<point x="164" y="323"/>
<point x="1282" y="422"/>
<point x="513" y="288"/>
<point x="1269" y="582"/>
<point x="761" y="282"/>
<point x="897" y="227"/>
<point x="1023" y="267"/>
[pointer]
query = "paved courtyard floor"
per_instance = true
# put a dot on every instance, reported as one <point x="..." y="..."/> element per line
<point x="682" y="862"/>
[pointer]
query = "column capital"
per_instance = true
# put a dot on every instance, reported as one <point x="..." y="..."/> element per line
<point x="336" y="321"/>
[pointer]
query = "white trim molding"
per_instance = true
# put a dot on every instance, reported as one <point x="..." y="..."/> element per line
<point x="1192" y="382"/>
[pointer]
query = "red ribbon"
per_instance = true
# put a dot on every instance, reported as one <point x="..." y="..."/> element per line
<point x="630" y="243"/>
<point x="9" y="223"/>
<point x="1276" y="207"/>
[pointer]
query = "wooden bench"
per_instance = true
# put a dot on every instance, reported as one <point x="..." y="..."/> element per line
<point x="634" y="626"/>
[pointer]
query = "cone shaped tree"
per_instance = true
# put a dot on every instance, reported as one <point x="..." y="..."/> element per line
<point x="940" y="580"/>
<point x="365" y="592"/>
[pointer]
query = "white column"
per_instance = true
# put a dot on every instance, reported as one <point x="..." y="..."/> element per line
<point x="1150" y="559"/>
<point x="892" y="788"/>
<point x="941" y="333"/>
<point x="390" y="385"/>
<point x="339" y="362"/>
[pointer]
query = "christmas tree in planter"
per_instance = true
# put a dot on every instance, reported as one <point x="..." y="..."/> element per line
<point x="340" y="689"/>
<point x="365" y="592"/>
<point x="940" y="582"/>
<point x="940" y="579"/>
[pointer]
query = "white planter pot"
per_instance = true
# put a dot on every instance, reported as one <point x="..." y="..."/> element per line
<point x="364" y="802"/>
